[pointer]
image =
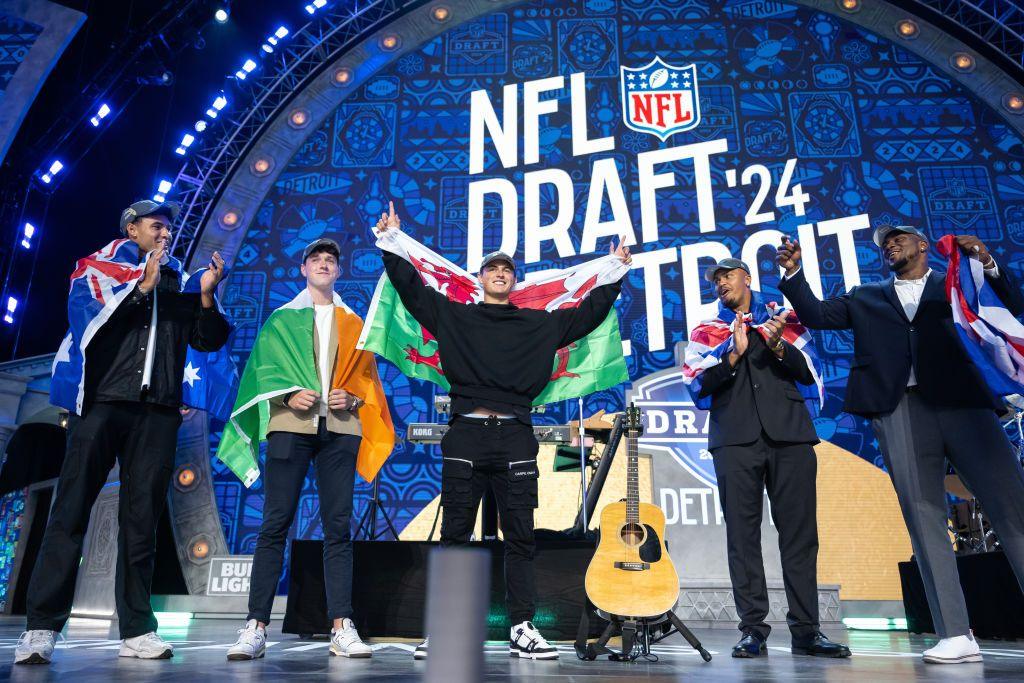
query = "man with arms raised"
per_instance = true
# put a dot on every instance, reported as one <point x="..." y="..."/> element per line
<point x="927" y="402"/>
<point x="497" y="358"/>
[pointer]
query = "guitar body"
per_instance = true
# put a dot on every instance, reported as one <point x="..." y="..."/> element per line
<point x="631" y="574"/>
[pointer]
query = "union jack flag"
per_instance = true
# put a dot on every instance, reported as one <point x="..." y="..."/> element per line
<point x="991" y="336"/>
<point x="99" y="283"/>
<point x="712" y="340"/>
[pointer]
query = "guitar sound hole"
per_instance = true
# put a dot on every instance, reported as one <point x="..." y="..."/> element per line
<point x="632" y="534"/>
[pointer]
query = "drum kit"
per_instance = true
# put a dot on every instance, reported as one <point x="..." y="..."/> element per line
<point x="968" y="526"/>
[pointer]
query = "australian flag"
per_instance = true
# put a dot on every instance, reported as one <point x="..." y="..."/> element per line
<point x="99" y="284"/>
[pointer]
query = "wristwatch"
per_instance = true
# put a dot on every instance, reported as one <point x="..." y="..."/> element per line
<point x="357" y="403"/>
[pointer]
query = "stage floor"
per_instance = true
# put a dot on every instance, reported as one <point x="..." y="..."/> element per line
<point x="90" y="654"/>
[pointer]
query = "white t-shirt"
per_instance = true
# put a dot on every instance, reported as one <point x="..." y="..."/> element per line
<point x="324" y="320"/>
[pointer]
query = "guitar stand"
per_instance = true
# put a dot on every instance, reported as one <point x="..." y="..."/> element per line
<point x="367" y="527"/>
<point x="637" y="637"/>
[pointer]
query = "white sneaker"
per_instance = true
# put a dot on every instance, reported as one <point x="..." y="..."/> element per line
<point x="421" y="650"/>
<point x="958" y="650"/>
<point x="345" y="642"/>
<point x="526" y="641"/>
<point x="34" y="647"/>
<point x="251" y="643"/>
<point x="147" y="646"/>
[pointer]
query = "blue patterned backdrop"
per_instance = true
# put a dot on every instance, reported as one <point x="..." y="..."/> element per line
<point x="874" y="128"/>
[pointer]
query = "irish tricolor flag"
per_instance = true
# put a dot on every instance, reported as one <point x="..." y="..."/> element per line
<point x="281" y="362"/>
<point x="588" y="365"/>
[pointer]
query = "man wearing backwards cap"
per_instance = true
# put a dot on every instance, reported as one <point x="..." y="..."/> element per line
<point x="133" y="389"/>
<point x="927" y="402"/>
<point x="497" y="358"/>
<point x="761" y="437"/>
<point x="318" y="427"/>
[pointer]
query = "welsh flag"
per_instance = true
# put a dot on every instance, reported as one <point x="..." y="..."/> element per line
<point x="588" y="365"/>
<point x="281" y="362"/>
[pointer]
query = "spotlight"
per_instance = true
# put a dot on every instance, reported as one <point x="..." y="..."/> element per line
<point x="230" y="219"/>
<point x="246" y="69"/>
<point x="200" y="549"/>
<point x="961" y="61"/>
<point x="27" y="233"/>
<point x="221" y="15"/>
<point x="200" y="126"/>
<point x="908" y="29"/>
<point x="55" y="168"/>
<point x="1014" y="102"/>
<point x="162" y="189"/>
<point x="100" y="115"/>
<point x="186" y="142"/>
<point x="186" y="476"/>
<point x="299" y="118"/>
<point x="315" y="5"/>
<point x="390" y="42"/>
<point x="343" y="76"/>
<point x="440" y="14"/>
<point x="12" y="304"/>
<point x="262" y="166"/>
<point x="848" y="5"/>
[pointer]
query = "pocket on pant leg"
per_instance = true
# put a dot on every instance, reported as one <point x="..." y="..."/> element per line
<point x="456" y="483"/>
<point x="522" y="485"/>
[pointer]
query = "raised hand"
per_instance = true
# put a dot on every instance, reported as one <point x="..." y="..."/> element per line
<point x="389" y="220"/>
<point x="151" y="276"/>
<point x="622" y="251"/>
<point x="303" y="399"/>
<point x="788" y="255"/>
<point x="213" y="275"/>
<point x="973" y="247"/>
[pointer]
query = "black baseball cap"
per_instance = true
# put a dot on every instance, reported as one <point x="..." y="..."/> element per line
<point x="322" y="244"/>
<point x="883" y="231"/>
<point x="147" y="207"/>
<point x="497" y="256"/>
<point x="724" y="264"/>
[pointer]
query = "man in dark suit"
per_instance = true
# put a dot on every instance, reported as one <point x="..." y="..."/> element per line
<point x="927" y="401"/>
<point x="761" y="435"/>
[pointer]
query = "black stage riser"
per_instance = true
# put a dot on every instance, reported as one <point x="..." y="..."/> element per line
<point x="390" y="582"/>
<point x="995" y="602"/>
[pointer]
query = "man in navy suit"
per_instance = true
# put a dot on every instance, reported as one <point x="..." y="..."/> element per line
<point x="927" y="401"/>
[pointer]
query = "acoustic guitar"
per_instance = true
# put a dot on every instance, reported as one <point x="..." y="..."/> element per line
<point x="631" y="573"/>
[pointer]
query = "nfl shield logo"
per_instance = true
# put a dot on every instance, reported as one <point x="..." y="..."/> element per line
<point x="659" y="98"/>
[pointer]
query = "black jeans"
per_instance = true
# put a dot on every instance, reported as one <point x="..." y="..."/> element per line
<point x="501" y="454"/>
<point x="142" y="438"/>
<point x="788" y="471"/>
<point x="288" y="458"/>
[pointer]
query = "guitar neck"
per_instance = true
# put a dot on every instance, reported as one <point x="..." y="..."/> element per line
<point x="632" y="477"/>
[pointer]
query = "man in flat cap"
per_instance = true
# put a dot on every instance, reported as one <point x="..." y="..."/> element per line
<point x="927" y="401"/>
<point x="119" y="373"/>
<point x="497" y="358"/>
<point x="744" y="366"/>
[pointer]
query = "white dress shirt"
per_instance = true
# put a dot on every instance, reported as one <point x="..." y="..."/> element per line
<point x="324" y="320"/>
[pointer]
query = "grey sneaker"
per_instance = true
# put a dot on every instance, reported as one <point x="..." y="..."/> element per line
<point x="421" y="650"/>
<point x="345" y="642"/>
<point x="251" y="643"/>
<point x="34" y="647"/>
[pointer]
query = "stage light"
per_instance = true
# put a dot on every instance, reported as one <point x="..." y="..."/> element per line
<point x="12" y="304"/>
<point x="961" y="61"/>
<point x="186" y="142"/>
<point x="440" y="13"/>
<point x="343" y="76"/>
<point x="281" y="32"/>
<point x="907" y="29"/>
<point x="230" y="219"/>
<point x="221" y="101"/>
<point x="299" y="118"/>
<point x="55" y="168"/>
<point x="390" y="42"/>
<point x="100" y="115"/>
<point x="221" y="15"/>
<point x="27" y="232"/>
<point x="261" y="166"/>
<point x="200" y="126"/>
<point x="848" y="5"/>
<point x="162" y="189"/>
<point x="200" y="549"/>
<point x="247" y="68"/>
<point x="1014" y="102"/>
<point x="186" y="477"/>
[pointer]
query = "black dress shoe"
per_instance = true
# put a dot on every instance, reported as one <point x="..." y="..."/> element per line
<point x="749" y="646"/>
<point x="820" y="646"/>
